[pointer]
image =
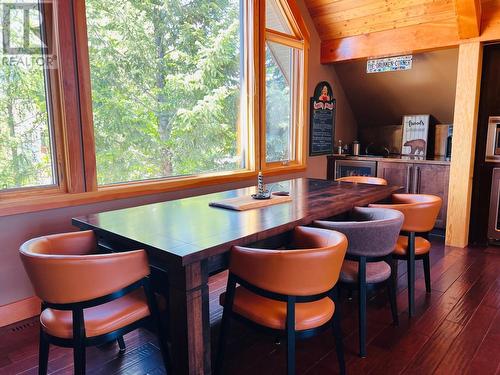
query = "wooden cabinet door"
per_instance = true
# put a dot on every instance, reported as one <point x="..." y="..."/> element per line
<point x="433" y="179"/>
<point x="397" y="173"/>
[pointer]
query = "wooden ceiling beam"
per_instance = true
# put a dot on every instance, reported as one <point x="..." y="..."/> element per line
<point x="391" y="42"/>
<point x="468" y="18"/>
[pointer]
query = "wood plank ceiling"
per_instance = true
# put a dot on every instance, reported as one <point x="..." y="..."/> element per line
<point x="414" y="24"/>
<point x="342" y="18"/>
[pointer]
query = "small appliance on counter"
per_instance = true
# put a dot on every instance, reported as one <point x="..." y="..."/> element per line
<point x="494" y="210"/>
<point x="374" y="140"/>
<point x="355" y="148"/>
<point x="443" y="135"/>
<point x="373" y="149"/>
<point x="493" y="140"/>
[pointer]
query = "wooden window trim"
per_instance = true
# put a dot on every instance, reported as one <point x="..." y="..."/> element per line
<point x="300" y="42"/>
<point x="88" y="141"/>
<point x="33" y="203"/>
<point x="68" y="104"/>
<point x="63" y="110"/>
<point x="85" y="91"/>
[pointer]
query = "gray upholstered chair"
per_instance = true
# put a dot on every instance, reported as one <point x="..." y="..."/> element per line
<point x="372" y="234"/>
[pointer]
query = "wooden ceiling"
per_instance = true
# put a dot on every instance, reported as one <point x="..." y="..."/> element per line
<point x="342" y="18"/>
<point x="351" y="29"/>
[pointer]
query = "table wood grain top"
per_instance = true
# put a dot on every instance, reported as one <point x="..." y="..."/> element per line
<point x="188" y="230"/>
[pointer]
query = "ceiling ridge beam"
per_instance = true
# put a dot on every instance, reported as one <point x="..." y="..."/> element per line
<point x="468" y="18"/>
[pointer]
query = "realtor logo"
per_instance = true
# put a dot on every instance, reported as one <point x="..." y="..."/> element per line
<point x="21" y="29"/>
<point x="23" y="38"/>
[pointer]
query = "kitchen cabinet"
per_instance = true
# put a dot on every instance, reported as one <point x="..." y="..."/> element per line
<point x="396" y="174"/>
<point x="433" y="179"/>
<point x="419" y="178"/>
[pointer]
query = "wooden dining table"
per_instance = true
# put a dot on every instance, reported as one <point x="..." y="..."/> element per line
<point x="187" y="240"/>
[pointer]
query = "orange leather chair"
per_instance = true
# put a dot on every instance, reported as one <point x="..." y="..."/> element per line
<point x="288" y="291"/>
<point x="87" y="298"/>
<point x="363" y="180"/>
<point x="420" y="212"/>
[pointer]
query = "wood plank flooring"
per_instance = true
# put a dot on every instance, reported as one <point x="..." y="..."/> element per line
<point x="456" y="330"/>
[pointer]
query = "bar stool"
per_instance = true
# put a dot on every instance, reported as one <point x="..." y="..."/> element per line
<point x="420" y="211"/>
<point x="372" y="234"/>
<point x="87" y="298"/>
<point x="288" y="291"/>
<point x="363" y="180"/>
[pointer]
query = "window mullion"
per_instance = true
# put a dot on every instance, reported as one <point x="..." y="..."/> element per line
<point x="85" y="96"/>
<point x="69" y="98"/>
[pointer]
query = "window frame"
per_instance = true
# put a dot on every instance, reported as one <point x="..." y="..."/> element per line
<point x="300" y="42"/>
<point x="55" y="135"/>
<point x="71" y="105"/>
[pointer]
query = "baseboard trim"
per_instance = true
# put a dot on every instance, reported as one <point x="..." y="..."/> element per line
<point x="20" y="310"/>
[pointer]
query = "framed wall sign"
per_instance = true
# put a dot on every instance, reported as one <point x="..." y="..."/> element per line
<point x="415" y="135"/>
<point x="322" y="120"/>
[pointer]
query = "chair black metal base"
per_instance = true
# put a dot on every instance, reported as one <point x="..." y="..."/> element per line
<point x="291" y="334"/>
<point x="79" y="342"/>
<point x="410" y="260"/>
<point x="362" y="287"/>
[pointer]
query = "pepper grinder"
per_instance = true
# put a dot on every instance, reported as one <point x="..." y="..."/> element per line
<point x="339" y="148"/>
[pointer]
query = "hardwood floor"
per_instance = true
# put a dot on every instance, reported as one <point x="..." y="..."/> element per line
<point x="456" y="330"/>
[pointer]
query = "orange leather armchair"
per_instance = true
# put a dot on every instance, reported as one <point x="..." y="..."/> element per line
<point x="286" y="290"/>
<point x="363" y="180"/>
<point x="420" y="212"/>
<point x="87" y="298"/>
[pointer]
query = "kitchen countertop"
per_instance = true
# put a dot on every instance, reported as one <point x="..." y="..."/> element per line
<point x="396" y="159"/>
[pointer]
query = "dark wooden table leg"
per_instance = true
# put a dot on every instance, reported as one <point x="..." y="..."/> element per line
<point x="189" y="319"/>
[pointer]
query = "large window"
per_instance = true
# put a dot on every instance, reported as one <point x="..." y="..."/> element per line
<point x="284" y="71"/>
<point x="26" y="141"/>
<point x="146" y="96"/>
<point x="166" y="86"/>
<point x="279" y="120"/>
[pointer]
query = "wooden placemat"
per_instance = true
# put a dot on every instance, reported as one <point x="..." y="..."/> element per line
<point x="247" y="202"/>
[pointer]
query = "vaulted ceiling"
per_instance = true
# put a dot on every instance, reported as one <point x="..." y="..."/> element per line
<point x="342" y="18"/>
<point x="351" y="29"/>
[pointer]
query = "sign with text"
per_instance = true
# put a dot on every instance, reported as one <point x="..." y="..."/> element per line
<point x="389" y="64"/>
<point x="322" y="120"/>
<point x="415" y="135"/>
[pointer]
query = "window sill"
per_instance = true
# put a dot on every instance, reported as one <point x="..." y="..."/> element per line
<point x="25" y="204"/>
<point x="277" y="169"/>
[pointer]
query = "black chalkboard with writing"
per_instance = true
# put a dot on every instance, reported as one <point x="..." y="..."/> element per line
<point x="322" y="121"/>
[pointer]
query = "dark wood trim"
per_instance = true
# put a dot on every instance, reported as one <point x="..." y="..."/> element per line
<point x="190" y="336"/>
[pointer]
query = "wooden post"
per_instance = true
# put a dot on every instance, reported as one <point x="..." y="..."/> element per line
<point x="464" y="143"/>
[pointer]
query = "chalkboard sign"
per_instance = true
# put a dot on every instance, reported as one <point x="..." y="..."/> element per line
<point x="322" y="122"/>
